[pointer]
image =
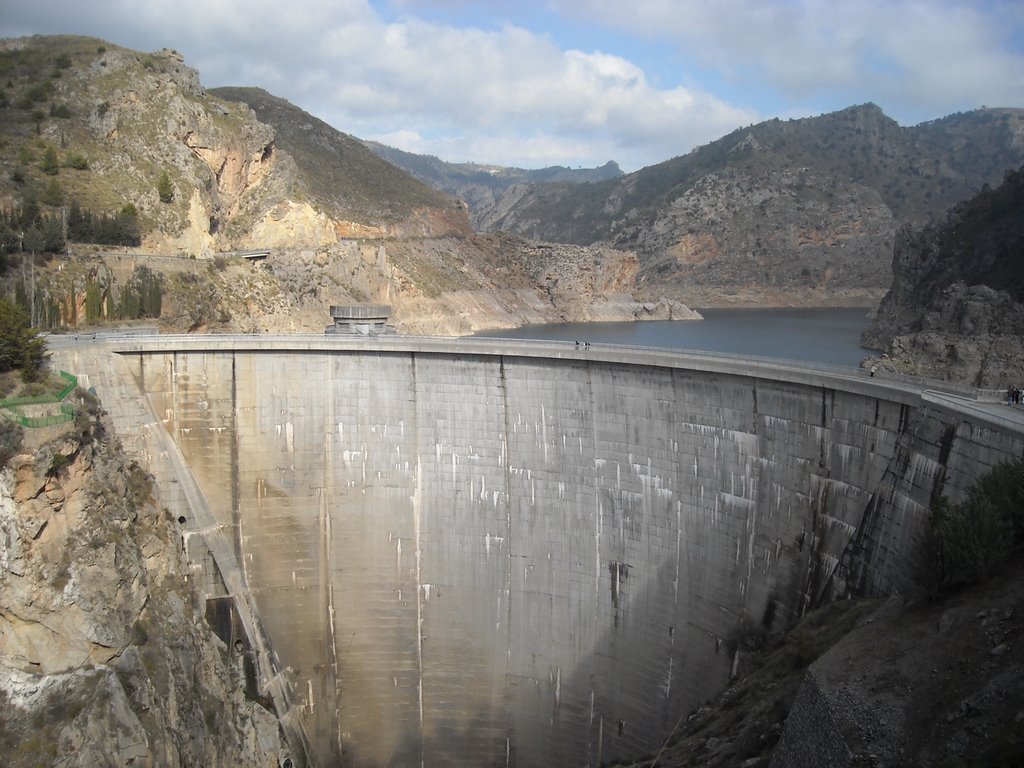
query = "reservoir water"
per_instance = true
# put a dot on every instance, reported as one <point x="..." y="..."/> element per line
<point x="827" y="336"/>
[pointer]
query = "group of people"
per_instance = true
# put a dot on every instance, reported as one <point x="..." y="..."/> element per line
<point x="1013" y="395"/>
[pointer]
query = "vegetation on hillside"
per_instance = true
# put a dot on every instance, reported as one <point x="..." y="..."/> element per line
<point x="969" y="542"/>
<point x="337" y="171"/>
<point x="21" y="346"/>
<point x="50" y="135"/>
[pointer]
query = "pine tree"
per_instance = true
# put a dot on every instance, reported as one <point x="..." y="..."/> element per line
<point x="54" y="193"/>
<point x="20" y="344"/>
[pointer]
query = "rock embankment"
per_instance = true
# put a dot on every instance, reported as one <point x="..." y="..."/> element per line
<point x="105" y="657"/>
<point x="917" y="684"/>
<point x="956" y="307"/>
<point x="449" y="285"/>
<point x="790" y="231"/>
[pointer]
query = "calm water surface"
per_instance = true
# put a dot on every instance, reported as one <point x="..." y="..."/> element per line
<point x="830" y="336"/>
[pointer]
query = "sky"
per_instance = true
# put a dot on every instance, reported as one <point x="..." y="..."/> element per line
<point x="535" y="83"/>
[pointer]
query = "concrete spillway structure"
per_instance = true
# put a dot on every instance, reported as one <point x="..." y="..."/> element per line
<point x="481" y="553"/>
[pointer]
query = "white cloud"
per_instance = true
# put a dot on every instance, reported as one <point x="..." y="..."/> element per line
<point x="534" y="97"/>
<point x="919" y="59"/>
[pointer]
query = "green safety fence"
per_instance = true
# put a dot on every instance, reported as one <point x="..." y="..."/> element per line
<point x="67" y="413"/>
<point x="10" y="406"/>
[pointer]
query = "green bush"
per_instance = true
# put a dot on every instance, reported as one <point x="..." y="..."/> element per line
<point x="164" y="188"/>
<point x="971" y="541"/>
<point x="57" y="463"/>
<point x="50" y="164"/>
<point x="38" y="93"/>
<point x="1004" y="485"/>
<point x="53" y="194"/>
<point x="77" y="161"/>
<point x="976" y="539"/>
<point x="12" y="437"/>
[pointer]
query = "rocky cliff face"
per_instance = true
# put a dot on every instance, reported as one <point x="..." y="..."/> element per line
<point x="956" y="307"/>
<point x="779" y="212"/>
<point x="105" y="658"/>
<point x="788" y="231"/>
<point x="251" y="171"/>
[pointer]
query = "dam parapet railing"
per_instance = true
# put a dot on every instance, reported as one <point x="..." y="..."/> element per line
<point x="802" y="371"/>
<point x="988" y="406"/>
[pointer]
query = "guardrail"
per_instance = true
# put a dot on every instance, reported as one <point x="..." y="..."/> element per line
<point x="564" y="349"/>
<point x="67" y="414"/>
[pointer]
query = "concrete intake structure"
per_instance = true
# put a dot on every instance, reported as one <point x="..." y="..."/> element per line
<point x="495" y="552"/>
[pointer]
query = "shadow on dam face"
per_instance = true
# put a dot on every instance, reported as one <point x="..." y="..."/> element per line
<point x="487" y="559"/>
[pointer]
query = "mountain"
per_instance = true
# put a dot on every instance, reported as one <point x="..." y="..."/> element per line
<point x="156" y="182"/>
<point x="781" y="211"/>
<point x="117" y="119"/>
<point x="956" y="306"/>
<point x="784" y="212"/>
<point x="487" y="189"/>
<point x="336" y="172"/>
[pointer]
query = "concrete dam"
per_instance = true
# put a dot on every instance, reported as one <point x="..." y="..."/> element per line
<point x="491" y="552"/>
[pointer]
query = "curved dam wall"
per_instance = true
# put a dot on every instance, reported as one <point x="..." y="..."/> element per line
<point x="486" y="553"/>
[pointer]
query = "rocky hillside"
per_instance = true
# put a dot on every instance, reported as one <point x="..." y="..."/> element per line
<point x="90" y="126"/>
<point x="782" y="210"/>
<point x="488" y="189"/>
<point x="105" y="657"/>
<point x="956" y="306"/>
<point x="338" y="174"/>
<point x="823" y="694"/>
<point x="119" y="118"/>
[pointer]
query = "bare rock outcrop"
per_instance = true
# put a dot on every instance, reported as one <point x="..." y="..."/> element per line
<point x="956" y="306"/>
<point x="934" y="684"/>
<point x="105" y="658"/>
<point x="790" y="230"/>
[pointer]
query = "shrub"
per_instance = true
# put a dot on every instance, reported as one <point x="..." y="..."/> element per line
<point x="77" y="161"/>
<point x="50" y="165"/>
<point x="164" y="188"/>
<point x="53" y="194"/>
<point x="969" y="542"/>
<point x="976" y="539"/>
<point x="39" y="92"/>
<point x="57" y="463"/>
<point x="1004" y="485"/>
<point x="12" y="436"/>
